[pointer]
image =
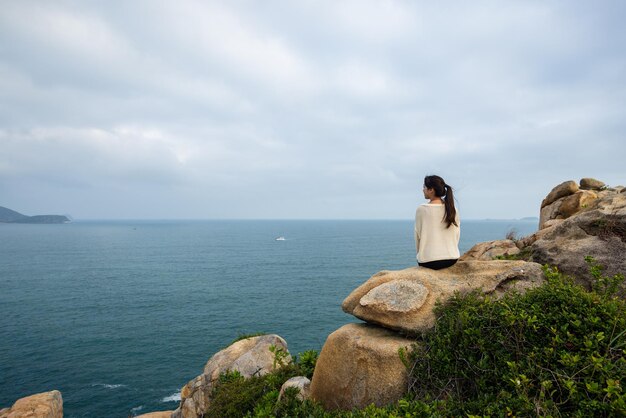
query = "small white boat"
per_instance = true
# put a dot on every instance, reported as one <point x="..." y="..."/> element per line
<point x="280" y="239"/>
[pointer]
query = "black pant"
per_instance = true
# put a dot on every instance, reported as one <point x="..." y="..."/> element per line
<point x="438" y="264"/>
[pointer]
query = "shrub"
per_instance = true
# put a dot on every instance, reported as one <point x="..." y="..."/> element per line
<point x="511" y="234"/>
<point x="524" y="254"/>
<point x="306" y="361"/>
<point x="556" y="350"/>
<point x="236" y="396"/>
<point x="606" y="287"/>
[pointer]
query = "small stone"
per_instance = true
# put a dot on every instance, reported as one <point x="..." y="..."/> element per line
<point x="302" y="383"/>
<point x="591" y="184"/>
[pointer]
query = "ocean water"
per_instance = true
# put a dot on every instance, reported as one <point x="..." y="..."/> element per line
<point x="119" y="315"/>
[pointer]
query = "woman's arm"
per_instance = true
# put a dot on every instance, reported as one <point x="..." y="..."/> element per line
<point x="417" y="230"/>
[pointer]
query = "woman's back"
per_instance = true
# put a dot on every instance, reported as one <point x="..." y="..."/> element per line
<point x="435" y="241"/>
<point x="437" y="226"/>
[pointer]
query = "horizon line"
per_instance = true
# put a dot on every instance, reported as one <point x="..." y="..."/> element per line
<point x="526" y="218"/>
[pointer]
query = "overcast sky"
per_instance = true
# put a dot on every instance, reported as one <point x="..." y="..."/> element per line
<point x="303" y="109"/>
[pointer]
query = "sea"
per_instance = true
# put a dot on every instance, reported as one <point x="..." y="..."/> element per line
<point x="120" y="315"/>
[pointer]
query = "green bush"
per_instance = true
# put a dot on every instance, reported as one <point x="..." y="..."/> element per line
<point x="236" y="396"/>
<point x="306" y="361"/>
<point x="556" y="350"/>
<point x="525" y="254"/>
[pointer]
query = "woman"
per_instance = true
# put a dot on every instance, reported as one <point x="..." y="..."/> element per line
<point x="437" y="224"/>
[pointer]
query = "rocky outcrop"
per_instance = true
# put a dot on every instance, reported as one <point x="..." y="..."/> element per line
<point x="41" y="405"/>
<point x="487" y="251"/>
<point x="568" y="198"/>
<point x="250" y="357"/>
<point x="565" y="200"/>
<point x="575" y="223"/>
<point x="360" y="365"/>
<point x="404" y="300"/>
<point x="303" y="384"/>
<point x="598" y="230"/>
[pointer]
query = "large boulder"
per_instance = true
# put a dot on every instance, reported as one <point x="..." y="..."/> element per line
<point x="487" y="251"/>
<point x="249" y="356"/>
<point x="551" y="205"/>
<point x="359" y="365"/>
<point x="404" y="300"/>
<point x="40" y="405"/>
<point x="550" y="212"/>
<point x="562" y="190"/>
<point x="598" y="231"/>
<point x="565" y="207"/>
<point x="573" y="204"/>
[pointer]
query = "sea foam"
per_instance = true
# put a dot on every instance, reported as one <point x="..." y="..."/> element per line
<point x="108" y="386"/>
<point x="172" y="398"/>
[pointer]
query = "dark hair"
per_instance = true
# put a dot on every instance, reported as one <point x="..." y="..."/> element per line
<point x="443" y="191"/>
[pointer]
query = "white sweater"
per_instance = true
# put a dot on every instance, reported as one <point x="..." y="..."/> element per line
<point x="433" y="241"/>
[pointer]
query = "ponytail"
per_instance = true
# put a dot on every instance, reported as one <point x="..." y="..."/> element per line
<point x="443" y="191"/>
<point x="450" y="211"/>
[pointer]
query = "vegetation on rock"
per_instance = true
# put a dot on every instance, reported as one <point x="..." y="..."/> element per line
<point x="236" y="396"/>
<point x="557" y="350"/>
<point x="525" y="254"/>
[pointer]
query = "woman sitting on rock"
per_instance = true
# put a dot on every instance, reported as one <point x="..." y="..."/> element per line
<point x="437" y="230"/>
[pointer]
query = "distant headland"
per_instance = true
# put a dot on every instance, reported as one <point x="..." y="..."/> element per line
<point x="10" y="216"/>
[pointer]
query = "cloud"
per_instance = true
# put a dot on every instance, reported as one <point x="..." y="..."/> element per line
<point x="306" y="109"/>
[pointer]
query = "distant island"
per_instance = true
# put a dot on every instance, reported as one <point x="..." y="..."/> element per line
<point x="10" y="216"/>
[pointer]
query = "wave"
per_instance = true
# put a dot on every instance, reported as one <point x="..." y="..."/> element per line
<point x="172" y="398"/>
<point x="108" y="386"/>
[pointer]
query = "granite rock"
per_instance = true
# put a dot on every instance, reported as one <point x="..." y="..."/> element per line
<point x="360" y="365"/>
<point x="302" y="383"/>
<point x="404" y="300"/>
<point x="249" y="356"/>
<point x="40" y="405"/>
